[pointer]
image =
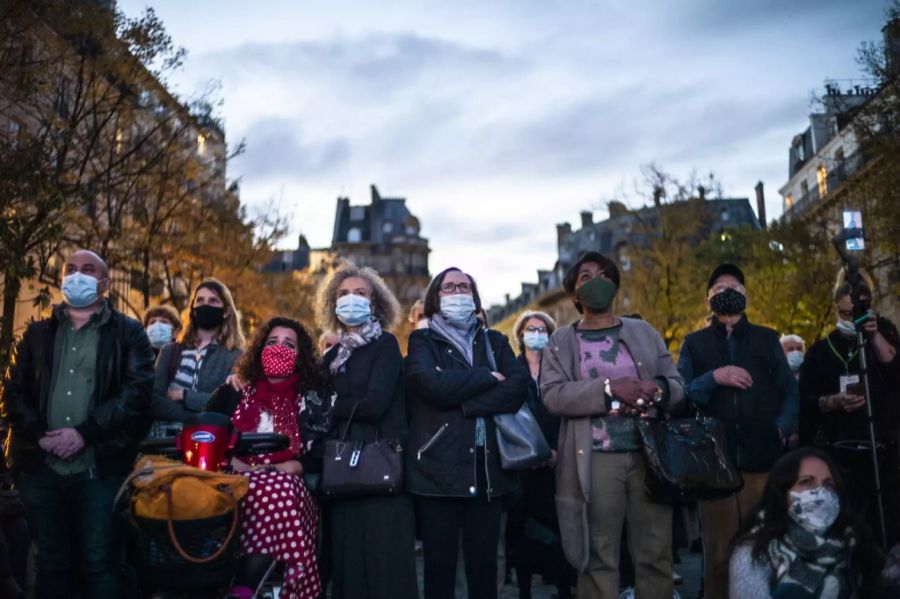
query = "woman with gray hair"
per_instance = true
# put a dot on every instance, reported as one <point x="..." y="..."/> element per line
<point x="372" y="538"/>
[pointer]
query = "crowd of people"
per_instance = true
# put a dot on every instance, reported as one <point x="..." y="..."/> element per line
<point x="90" y="384"/>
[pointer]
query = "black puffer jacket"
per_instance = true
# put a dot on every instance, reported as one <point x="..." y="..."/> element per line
<point x="446" y="396"/>
<point x="118" y="421"/>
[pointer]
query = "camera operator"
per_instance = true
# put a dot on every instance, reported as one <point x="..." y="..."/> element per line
<point x="833" y="410"/>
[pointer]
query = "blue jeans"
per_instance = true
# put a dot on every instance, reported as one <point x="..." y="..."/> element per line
<point x="72" y="520"/>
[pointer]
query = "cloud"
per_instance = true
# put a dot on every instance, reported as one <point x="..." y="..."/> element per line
<point x="275" y="149"/>
<point x="497" y="120"/>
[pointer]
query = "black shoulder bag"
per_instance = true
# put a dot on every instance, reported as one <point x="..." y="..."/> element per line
<point x="357" y="468"/>
<point x="687" y="459"/>
<point x="519" y="437"/>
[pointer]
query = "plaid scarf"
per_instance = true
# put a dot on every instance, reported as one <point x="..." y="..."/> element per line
<point x="350" y="341"/>
<point x="810" y="566"/>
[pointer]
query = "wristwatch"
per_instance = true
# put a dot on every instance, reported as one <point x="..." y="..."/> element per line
<point x="611" y="402"/>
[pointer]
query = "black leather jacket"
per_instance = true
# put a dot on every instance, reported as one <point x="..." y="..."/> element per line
<point x="446" y="396"/>
<point x="118" y="421"/>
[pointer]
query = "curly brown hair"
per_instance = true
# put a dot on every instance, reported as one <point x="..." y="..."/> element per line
<point x="312" y="376"/>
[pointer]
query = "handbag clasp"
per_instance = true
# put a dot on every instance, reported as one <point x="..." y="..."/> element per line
<point x="354" y="457"/>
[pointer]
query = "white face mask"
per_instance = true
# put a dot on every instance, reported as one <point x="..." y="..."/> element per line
<point x="795" y="360"/>
<point x="353" y="310"/>
<point x="457" y="308"/>
<point x="846" y="327"/>
<point x="815" y="509"/>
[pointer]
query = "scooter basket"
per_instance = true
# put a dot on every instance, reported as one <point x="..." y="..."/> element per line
<point x="199" y="538"/>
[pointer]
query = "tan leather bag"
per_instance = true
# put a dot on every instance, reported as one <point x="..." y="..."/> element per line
<point x="164" y="489"/>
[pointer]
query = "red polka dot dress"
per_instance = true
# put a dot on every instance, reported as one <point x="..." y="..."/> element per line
<point x="278" y="515"/>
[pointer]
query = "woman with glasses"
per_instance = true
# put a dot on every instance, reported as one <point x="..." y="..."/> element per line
<point x="459" y="375"/>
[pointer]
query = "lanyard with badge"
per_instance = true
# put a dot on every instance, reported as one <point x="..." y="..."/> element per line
<point x="847" y="380"/>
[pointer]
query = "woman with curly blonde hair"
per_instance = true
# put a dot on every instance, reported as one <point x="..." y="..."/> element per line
<point x="372" y="538"/>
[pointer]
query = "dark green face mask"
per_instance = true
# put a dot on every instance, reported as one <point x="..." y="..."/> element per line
<point x="597" y="294"/>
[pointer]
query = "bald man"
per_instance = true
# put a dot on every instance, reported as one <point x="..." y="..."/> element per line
<point x="76" y="400"/>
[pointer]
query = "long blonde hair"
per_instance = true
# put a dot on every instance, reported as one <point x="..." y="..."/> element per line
<point x="231" y="334"/>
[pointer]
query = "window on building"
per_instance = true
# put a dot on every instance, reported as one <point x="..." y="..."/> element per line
<point x="357" y="213"/>
<point x="789" y="201"/>
<point x="120" y="140"/>
<point x="354" y="235"/>
<point x="387" y="227"/>
<point x="822" y="179"/>
<point x="804" y="189"/>
<point x="839" y="167"/>
<point x="201" y="144"/>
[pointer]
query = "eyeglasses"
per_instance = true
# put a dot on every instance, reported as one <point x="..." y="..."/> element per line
<point x="450" y="288"/>
<point x="535" y="329"/>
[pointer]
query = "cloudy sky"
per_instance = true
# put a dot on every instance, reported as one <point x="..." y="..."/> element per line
<point x="498" y="119"/>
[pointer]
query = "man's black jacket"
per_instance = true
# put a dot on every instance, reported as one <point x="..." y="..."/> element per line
<point x="122" y="386"/>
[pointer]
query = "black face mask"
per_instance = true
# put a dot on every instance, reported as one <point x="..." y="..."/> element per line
<point x="728" y="302"/>
<point x="208" y="317"/>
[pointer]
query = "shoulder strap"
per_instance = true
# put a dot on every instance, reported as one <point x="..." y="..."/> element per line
<point x="489" y="349"/>
<point x="174" y="361"/>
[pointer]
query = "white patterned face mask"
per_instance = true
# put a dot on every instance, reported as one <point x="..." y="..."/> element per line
<point x="815" y="509"/>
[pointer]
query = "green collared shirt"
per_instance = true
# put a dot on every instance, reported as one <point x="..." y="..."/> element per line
<point x="72" y="391"/>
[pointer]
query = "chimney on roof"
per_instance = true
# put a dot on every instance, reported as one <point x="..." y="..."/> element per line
<point x="563" y="233"/>
<point x="587" y="218"/>
<point x="761" y="204"/>
<point x="891" y="33"/>
<point x="616" y="208"/>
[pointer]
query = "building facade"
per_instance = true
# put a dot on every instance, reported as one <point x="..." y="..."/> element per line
<point x="383" y="235"/>
<point x="614" y="237"/>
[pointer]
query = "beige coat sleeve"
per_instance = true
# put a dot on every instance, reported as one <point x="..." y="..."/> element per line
<point x="562" y="393"/>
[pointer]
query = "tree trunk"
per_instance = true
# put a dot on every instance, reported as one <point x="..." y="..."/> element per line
<point x="146" y="278"/>
<point x="11" y="287"/>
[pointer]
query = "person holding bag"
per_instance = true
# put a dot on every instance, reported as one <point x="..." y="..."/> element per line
<point x="372" y="536"/>
<point x="453" y="465"/>
<point x="599" y="375"/>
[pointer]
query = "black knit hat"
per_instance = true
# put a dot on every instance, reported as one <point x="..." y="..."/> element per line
<point x="725" y="269"/>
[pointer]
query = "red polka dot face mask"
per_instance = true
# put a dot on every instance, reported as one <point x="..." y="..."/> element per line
<point x="278" y="361"/>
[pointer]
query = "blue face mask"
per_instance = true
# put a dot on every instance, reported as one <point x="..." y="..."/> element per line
<point x="795" y="360"/>
<point x="457" y="308"/>
<point x="535" y="341"/>
<point x="160" y="333"/>
<point x="80" y="290"/>
<point x="353" y="310"/>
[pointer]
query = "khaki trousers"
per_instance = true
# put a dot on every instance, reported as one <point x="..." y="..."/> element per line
<point x="617" y="490"/>
<point x="719" y="523"/>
